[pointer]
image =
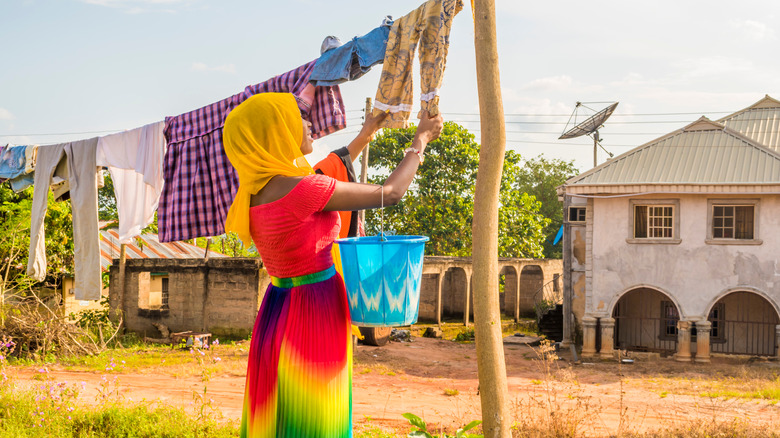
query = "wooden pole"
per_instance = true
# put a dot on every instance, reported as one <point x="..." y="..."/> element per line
<point x="364" y="161"/>
<point x="121" y="281"/>
<point x="494" y="394"/>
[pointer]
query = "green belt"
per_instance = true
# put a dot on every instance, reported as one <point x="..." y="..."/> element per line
<point x="287" y="283"/>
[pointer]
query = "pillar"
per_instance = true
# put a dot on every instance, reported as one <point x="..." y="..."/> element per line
<point x="683" y="341"/>
<point x="589" y="336"/>
<point x="439" y="281"/>
<point x="607" y="338"/>
<point x="467" y="304"/>
<point x="703" y="328"/>
<point x="777" y="341"/>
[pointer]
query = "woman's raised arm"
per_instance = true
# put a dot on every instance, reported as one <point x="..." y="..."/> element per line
<point x="356" y="196"/>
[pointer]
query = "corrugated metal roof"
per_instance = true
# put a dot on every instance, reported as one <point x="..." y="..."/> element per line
<point x="703" y="152"/>
<point x="150" y="247"/>
<point x="759" y="122"/>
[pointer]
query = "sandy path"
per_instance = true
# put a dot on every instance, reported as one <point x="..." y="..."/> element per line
<point x="413" y="377"/>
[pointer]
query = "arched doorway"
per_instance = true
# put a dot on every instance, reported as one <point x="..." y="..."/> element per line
<point x="646" y="320"/>
<point x="507" y="290"/>
<point x="531" y="284"/>
<point x="743" y="322"/>
<point x="453" y="292"/>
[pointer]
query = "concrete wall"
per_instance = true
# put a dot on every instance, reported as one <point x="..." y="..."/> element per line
<point x="224" y="295"/>
<point x="71" y="304"/>
<point x="221" y="296"/>
<point x="695" y="274"/>
<point x="455" y="274"/>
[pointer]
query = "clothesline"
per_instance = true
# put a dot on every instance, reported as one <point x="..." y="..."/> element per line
<point x="178" y="167"/>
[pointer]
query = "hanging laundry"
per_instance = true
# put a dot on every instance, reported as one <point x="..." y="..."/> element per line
<point x="30" y="157"/>
<point x="430" y="24"/>
<point x="60" y="184"/>
<point x="81" y="168"/>
<point x="134" y="159"/>
<point x="16" y="165"/>
<point x="353" y="59"/>
<point x="12" y="161"/>
<point x="200" y="183"/>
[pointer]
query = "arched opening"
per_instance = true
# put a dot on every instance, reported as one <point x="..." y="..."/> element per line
<point x="646" y="320"/>
<point x="453" y="292"/>
<point x="507" y="290"/>
<point x="429" y="295"/>
<point x="531" y="288"/>
<point x="743" y="322"/>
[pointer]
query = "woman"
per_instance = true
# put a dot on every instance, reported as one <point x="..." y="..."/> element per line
<point x="299" y="379"/>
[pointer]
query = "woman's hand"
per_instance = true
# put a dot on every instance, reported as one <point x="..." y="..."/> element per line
<point x="371" y="124"/>
<point x="428" y="130"/>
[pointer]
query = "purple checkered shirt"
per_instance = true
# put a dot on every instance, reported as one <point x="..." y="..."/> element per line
<point x="200" y="182"/>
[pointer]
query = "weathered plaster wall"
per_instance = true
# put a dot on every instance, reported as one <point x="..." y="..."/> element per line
<point x="693" y="273"/>
<point x="218" y="295"/>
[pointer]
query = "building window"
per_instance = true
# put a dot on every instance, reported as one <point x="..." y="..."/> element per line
<point x="717" y="318"/>
<point x="653" y="221"/>
<point x="669" y="318"/>
<point x="577" y="214"/>
<point x="732" y="222"/>
<point x="165" y="293"/>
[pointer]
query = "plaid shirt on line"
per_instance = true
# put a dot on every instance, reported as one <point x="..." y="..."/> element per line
<point x="200" y="182"/>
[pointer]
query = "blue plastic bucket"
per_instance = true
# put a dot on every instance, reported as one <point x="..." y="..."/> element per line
<point x="383" y="278"/>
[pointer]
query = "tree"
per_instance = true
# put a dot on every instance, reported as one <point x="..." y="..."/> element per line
<point x="440" y="203"/>
<point x="15" y="209"/>
<point x="521" y="225"/>
<point x="540" y="177"/>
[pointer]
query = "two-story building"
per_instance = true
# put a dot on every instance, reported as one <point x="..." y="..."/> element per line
<point x="674" y="246"/>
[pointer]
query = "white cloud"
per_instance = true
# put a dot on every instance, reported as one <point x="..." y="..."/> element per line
<point x="754" y="30"/>
<point x="560" y="82"/>
<point x="226" y="68"/>
<point x="6" y="115"/>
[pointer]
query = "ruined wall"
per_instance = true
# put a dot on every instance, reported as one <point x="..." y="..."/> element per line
<point x="221" y="296"/>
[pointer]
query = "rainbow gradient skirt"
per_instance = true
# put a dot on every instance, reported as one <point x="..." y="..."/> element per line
<point x="299" y="378"/>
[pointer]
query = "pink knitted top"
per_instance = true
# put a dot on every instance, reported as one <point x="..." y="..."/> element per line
<point x="293" y="234"/>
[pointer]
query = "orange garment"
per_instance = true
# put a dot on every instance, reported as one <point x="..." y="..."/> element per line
<point x="334" y="167"/>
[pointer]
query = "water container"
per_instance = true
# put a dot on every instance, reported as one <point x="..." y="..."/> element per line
<point x="383" y="277"/>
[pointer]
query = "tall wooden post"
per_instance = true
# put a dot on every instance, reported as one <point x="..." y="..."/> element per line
<point x="121" y="280"/>
<point x="364" y="161"/>
<point x="494" y="393"/>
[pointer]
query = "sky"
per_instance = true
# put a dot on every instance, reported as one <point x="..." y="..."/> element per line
<point x="75" y="69"/>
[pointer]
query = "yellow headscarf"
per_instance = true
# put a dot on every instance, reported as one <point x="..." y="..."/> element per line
<point x="262" y="138"/>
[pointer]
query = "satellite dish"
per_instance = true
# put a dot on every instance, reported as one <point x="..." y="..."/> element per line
<point x="589" y="126"/>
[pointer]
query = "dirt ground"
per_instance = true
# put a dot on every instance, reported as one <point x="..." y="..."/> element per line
<point x="437" y="380"/>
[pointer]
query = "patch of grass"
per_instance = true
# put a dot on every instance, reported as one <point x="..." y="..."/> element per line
<point x="451" y="392"/>
<point x="467" y="335"/>
<point x="27" y="414"/>
<point x="150" y="358"/>
<point x="378" y="368"/>
<point x="663" y="394"/>
<point x="536" y="382"/>
<point x="763" y="394"/>
<point x="371" y="431"/>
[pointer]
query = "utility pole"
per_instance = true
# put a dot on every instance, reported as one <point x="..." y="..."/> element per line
<point x="494" y="394"/>
<point x="364" y="159"/>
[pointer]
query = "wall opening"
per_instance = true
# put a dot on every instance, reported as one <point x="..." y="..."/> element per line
<point x="646" y="320"/>
<point x="743" y="323"/>
<point x="507" y="289"/>
<point x="153" y="294"/>
<point x="531" y="285"/>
